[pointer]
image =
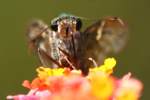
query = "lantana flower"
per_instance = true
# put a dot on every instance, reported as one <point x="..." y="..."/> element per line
<point x="66" y="84"/>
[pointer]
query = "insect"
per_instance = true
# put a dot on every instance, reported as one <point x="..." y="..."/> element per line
<point x="63" y="44"/>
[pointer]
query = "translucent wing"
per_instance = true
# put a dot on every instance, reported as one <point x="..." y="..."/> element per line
<point x="36" y="32"/>
<point x="38" y="40"/>
<point x="108" y="35"/>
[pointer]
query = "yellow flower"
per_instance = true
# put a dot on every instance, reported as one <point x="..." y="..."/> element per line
<point x="107" y="67"/>
<point x="102" y="85"/>
<point x="44" y="72"/>
<point x="66" y="84"/>
<point x="127" y="95"/>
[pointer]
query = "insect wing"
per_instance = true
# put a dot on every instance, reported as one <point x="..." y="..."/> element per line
<point x="38" y="40"/>
<point x="108" y="35"/>
<point x="36" y="32"/>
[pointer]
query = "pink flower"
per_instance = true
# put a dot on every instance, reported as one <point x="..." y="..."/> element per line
<point x="64" y="84"/>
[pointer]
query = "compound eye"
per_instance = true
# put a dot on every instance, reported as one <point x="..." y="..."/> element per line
<point x="79" y="24"/>
<point x="54" y="27"/>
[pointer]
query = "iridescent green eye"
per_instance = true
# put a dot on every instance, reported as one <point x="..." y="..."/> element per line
<point x="79" y="24"/>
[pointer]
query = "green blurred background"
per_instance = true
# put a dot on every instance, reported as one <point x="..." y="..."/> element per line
<point x="16" y="63"/>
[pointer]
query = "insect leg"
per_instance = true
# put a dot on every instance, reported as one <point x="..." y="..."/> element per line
<point x="68" y="58"/>
<point x="65" y="53"/>
<point x="93" y="61"/>
<point x="42" y="55"/>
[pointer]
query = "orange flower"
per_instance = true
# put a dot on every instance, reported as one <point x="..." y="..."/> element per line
<point x="66" y="84"/>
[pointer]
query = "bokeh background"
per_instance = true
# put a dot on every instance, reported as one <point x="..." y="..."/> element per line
<point x="17" y="64"/>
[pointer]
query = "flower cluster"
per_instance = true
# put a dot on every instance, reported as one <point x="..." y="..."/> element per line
<point x="66" y="84"/>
